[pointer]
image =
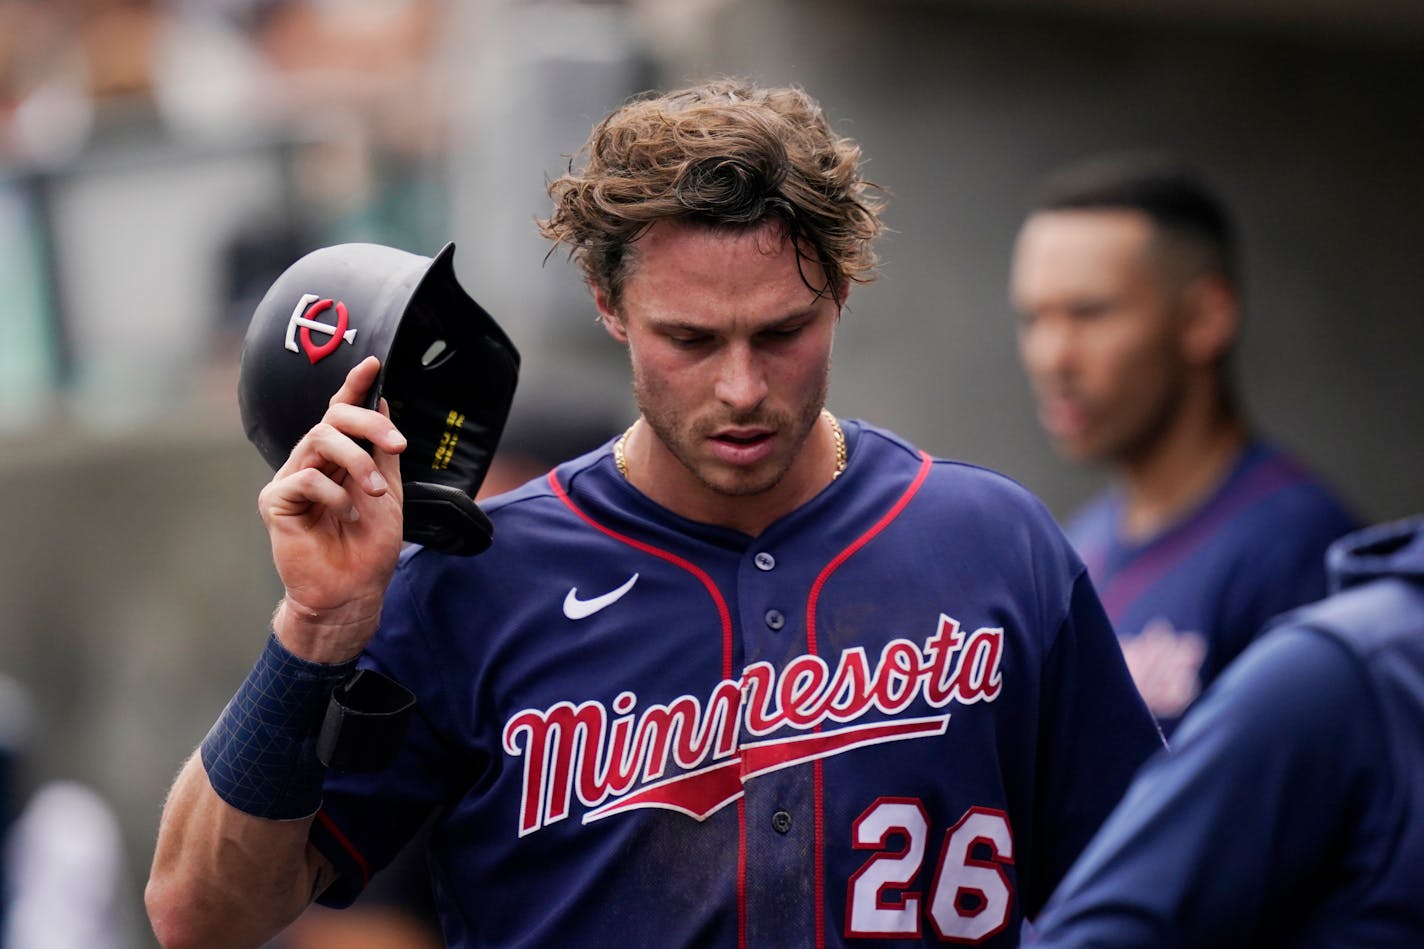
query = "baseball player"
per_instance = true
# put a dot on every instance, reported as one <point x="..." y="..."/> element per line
<point x="747" y="675"/>
<point x="1287" y="813"/>
<point x="1125" y="279"/>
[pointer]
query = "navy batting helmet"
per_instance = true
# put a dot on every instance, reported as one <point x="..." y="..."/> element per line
<point x="448" y="373"/>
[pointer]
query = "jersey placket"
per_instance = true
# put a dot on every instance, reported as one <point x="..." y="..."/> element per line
<point x="779" y="805"/>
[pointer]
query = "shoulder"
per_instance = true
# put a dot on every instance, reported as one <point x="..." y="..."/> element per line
<point x="1381" y="621"/>
<point x="1270" y="527"/>
<point x="971" y="484"/>
<point x="956" y="493"/>
<point x="547" y="498"/>
<point x="1297" y="687"/>
<point x="1277" y="487"/>
<point x="973" y="511"/>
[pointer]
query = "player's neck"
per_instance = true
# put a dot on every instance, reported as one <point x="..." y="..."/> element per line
<point x="1179" y="470"/>
<point x="654" y="470"/>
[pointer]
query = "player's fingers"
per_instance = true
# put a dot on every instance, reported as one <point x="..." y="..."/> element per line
<point x="387" y="462"/>
<point x="296" y="494"/>
<point x="374" y="427"/>
<point x="356" y="423"/>
<point x="357" y="382"/>
<point x="333" y="450"/>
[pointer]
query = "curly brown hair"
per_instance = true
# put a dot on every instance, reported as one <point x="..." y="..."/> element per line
<point x="726" y="153"/>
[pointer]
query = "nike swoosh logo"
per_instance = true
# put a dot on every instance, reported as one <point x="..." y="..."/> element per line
<point x="575" y="608"/>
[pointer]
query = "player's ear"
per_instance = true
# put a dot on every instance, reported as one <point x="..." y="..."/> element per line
<point x="842" y="294"/>
<point x="608" y="316"/>
<point x="1213" y="319"/>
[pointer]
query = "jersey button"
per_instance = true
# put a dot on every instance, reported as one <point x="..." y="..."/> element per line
<point x="764" y="561"/>
<point x="781" y="822"/>
<point x="774" y="619"/>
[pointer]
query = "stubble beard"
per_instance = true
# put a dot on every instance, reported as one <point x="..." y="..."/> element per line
<point x="686" y="439"/>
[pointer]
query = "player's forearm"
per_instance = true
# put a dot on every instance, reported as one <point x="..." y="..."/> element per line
<point x="222" y="878"/>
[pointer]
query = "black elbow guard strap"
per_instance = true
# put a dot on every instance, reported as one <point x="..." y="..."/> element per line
<point x="365" y="723"/>
<point x="292" y="719"/>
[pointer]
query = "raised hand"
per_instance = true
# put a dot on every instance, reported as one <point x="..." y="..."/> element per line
<point x="333" y="515"/>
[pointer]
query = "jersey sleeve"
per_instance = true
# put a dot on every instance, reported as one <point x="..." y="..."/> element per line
<point x="1217" y="836"/>
<point x="1096" y="733"/>
<point x="366" y="818"/>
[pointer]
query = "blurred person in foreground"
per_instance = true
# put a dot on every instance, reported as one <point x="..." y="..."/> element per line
<point x="1126" y="283"/>
<point x="1288" y="810"/>
<point x="747" y="675"/>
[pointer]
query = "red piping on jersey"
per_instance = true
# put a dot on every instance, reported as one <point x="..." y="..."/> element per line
<point x="817" y="783"/>
<point x="722" y="612"/>
<point x="725" y="615"/>
<point x="346" y="845"/>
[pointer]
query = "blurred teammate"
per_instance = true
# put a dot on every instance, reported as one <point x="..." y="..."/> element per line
<point x="746" y="675"/>
<point x="1125" y="279"/>
<point x="1288" y="811"/>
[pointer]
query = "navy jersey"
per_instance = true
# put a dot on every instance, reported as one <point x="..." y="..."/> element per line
<point x="1188" y="601"/>
<point x="895" y="717"/>
<point x="1288" y="813"/>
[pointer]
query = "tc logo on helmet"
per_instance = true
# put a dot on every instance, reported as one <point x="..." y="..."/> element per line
<point x="304" y="316"/>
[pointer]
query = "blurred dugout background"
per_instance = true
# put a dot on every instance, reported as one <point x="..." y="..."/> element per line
<point x="161" y="162"/>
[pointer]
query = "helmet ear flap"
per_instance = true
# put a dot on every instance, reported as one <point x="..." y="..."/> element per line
<point x="446" y="519"/>
<point x="450" y="382"/>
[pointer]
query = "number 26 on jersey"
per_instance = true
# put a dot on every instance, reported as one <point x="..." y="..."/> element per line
<point x="971" y="897"/>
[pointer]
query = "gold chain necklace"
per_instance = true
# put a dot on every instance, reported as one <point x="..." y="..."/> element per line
<point x="840" y="443"/>
<point x="621" y="460"/>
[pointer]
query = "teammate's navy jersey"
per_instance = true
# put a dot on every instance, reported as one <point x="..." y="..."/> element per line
<point x="1189" y="600"/>
<point x="895" y="717"/>
<point x="1288" y="813"/>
